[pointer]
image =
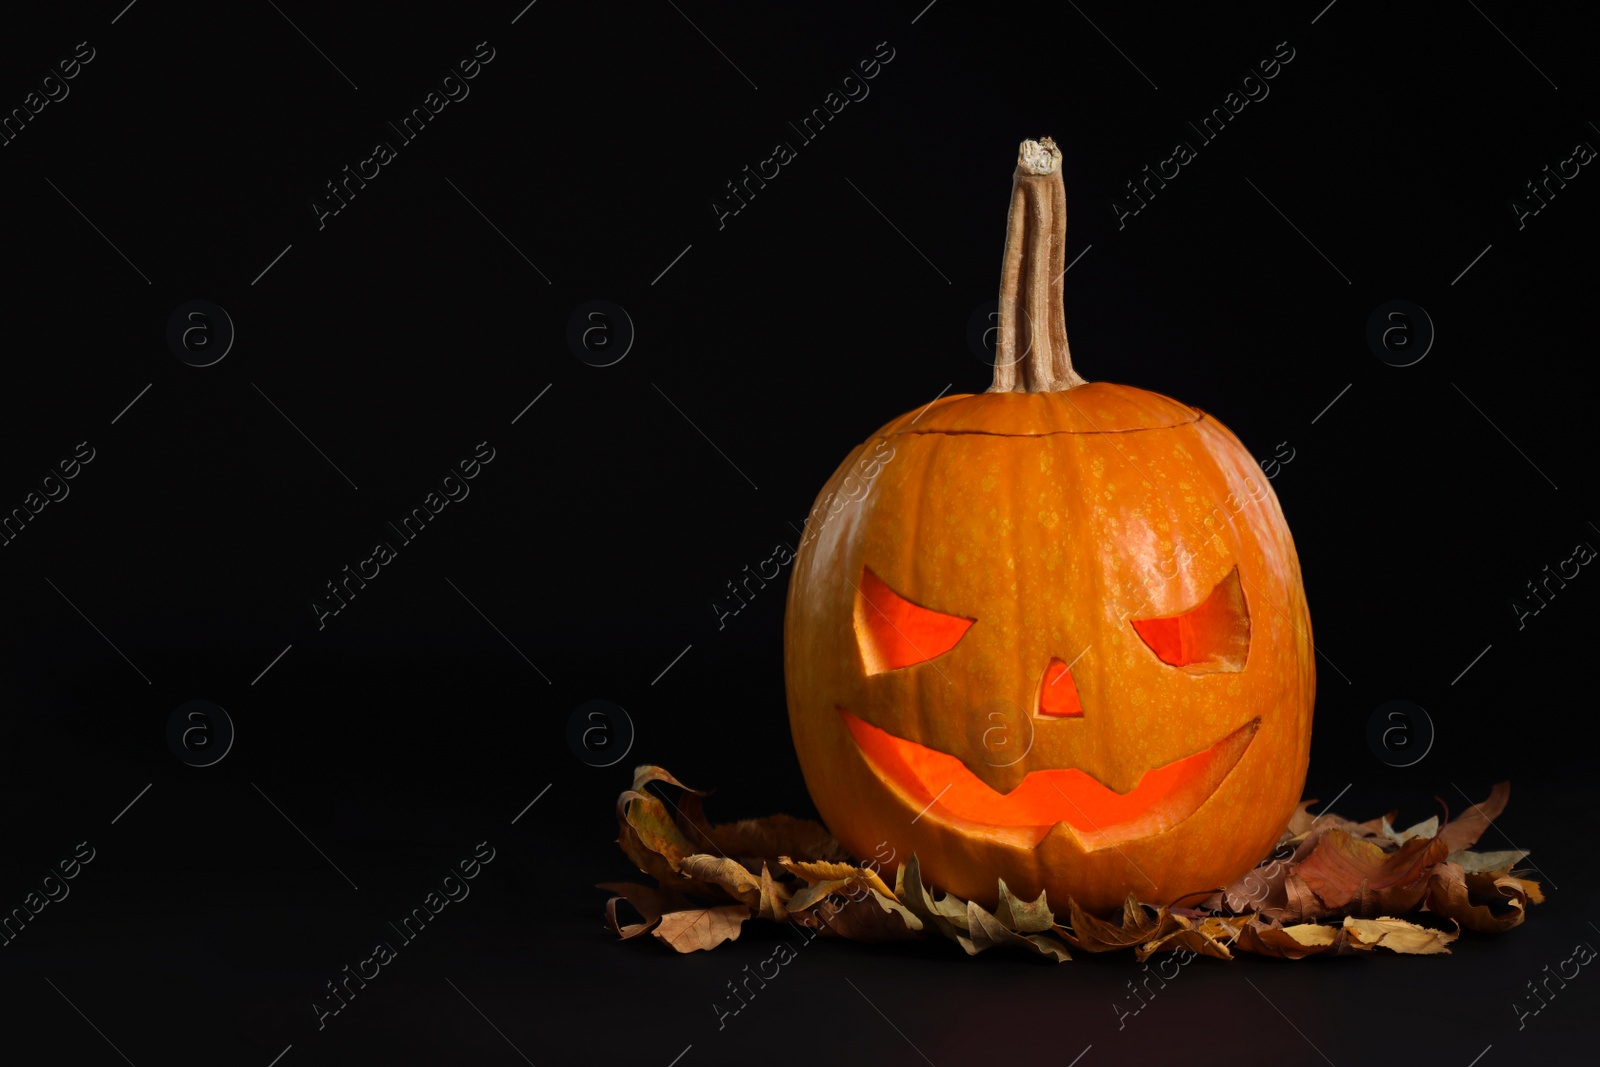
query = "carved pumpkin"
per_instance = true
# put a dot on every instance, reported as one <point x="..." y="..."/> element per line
<point x="1053" y="633"/>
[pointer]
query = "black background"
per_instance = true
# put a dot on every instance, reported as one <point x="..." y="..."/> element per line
<point x="410" y="327"/>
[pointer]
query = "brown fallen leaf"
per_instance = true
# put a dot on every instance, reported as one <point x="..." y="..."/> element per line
<point x="1478" y="862"/>
<point x="748" y="839"/>
<point x="647" y="831"/>
<point x="871" y="917"/>
<point x="986" y="931"/>
<point x="1286" y="942"/>
<point x="773" y="902"/>
<point x="1265" y="888"/>
<point x="730" y="876"/>
<point x="700" y="929"/>
<point x="1302" y="822"/>
<point x="1015" y="923"/>
<point x="823" y="871"/>
<point x="1210" y="936"/>
<point x="1300" y="904"/>
<point x="1486" y="902"/>
<point x="1353" y="935"/>
<point x="775" y="836"/>
<point x="1464" y="830"/>
<point x="855" y="902"/>
<point x="1023" y="916"/>
<point x="1350" y="875"/>
<point x="650" y="903"/>
<point x="1098" y="935"/>
<point x="1508" y="884"/>
<point x="1426" y="828"/>
<point x="946" y="916"/>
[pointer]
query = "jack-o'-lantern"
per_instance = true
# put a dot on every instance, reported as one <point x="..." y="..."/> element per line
<point x="1053" y="633"/>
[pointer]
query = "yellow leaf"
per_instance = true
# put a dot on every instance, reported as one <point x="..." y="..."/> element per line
<point x="1312" y="933"/>
<point x="845" y="873"/>
<point x="1397" y="935"/>
<point x="730" y="876"/>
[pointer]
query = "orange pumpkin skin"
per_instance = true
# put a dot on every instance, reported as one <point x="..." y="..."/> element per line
<point x="1053" y="521"/>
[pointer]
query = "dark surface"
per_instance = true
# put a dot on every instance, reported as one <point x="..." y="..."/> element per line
<point x="407" y="330"/>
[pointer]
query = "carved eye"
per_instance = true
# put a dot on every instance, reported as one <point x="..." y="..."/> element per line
<point x="893" y="632"/>
<point x="1214" y="636"/>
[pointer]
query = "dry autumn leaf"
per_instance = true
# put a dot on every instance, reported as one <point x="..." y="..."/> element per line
<point x="1464" y="830"/>
<point x="870" y="917"/>
<point x="1470" y="899"/>
<point x="1208" y="936"/>
<point x="1347" y="875"/>
<point x="849" y="901"/>
<point x="1026" y="916"/>
<point x="776" y="835"/>
<point x="1285" y="942"/>
<point x="948" y="916"/>
<point x="987" y="931"/>
<point x="1099" y="935"/>
<point x="697" y="929"/>
<point x="773" y="902"/>
<point x="834" y="875"/>
<point x="730" y="876"/>
<point x="1479" y="862"/>
<point x="650" y="903"/>
<point x="1353" y="935"/>
<point x="1397" y="935"/>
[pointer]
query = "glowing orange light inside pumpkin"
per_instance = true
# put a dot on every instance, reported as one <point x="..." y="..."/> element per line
<point x="1214" y="636"/>
<point x="1058" y="694"/>
<point x="1164" y="796"/>
<point x="894" y="632"/>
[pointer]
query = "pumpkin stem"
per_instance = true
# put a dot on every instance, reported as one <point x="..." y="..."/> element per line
<point x="1032" y="354"/>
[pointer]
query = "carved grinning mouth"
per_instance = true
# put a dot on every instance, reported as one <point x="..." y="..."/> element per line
<point x="1096" y="815"/>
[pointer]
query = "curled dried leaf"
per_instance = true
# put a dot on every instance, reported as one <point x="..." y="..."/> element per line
<point x="1426" y="828"/>
<point x="649" y="836"/>
<point x="1286" y="942"/>
<point x="1464" y="830"/>
<point x="775" y="836"/>
<point x="1210" y="936"/>
<point x="1479" y="862"/>
<point x="947" y="916"/>
<point x="1488" y="902"/>
<point x="848" y="874"/>
<point x="1302" y="822"/>
<point x="650" y="903"/>
<point x="646" y="773"/>
<point x="1350" y="875"/>
<point x="868" y="917"/>
<point x="773" y="902"/>
<point x="731" y="877"/>
<point x="1507" y="883"/>
<point x="986" y="931"/>
<point x="1266" y="890"/>
<point x="1138" y="926"/>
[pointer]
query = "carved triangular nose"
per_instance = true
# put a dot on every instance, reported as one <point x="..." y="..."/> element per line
<point x="1058" y="694"/>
